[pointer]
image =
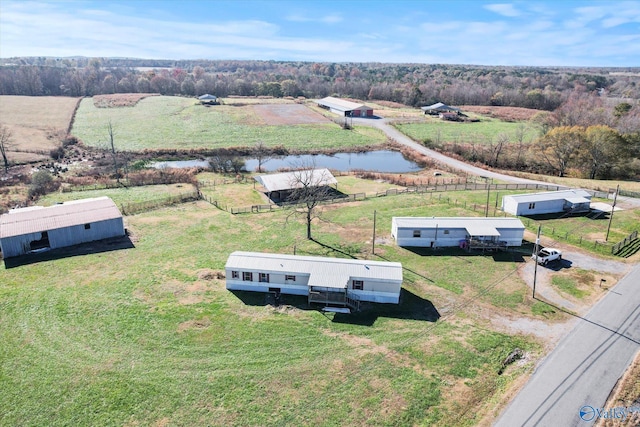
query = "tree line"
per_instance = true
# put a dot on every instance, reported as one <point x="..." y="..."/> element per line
<point x="409" y="84"/>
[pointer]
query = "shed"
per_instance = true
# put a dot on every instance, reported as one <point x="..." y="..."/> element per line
<point x="328" y="281"/>
<point x="39" y="228"/>
<point x="345" y="108"/>
<point x="470" y="233"/>
<point x="438" y="108"/>
<point x="276" y="184"/>
<point x="569" y="201"/>
<point x="208" y="99"/>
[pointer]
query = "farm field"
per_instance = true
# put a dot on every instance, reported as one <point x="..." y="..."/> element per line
<point x="37" y="123"/>
<point x="164" y="122"/>
<point x="437" y="131"/>
<point x="149" y="335"/>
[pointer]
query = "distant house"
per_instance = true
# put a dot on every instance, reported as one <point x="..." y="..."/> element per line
<point x="468" y="233"/>
<point x="345" y="108"/>
<point x="328" y="281"/>
<point x="279" y="185"/>
<point x="37" y="228"/>
<point x="438" y="108"/>
<point x="573" y="201"/>
<point x="208" y="99"/>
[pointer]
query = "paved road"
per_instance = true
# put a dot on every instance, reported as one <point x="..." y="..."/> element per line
<point x="584" y="367"/>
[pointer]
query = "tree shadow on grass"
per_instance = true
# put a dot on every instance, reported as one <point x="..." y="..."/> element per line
<point x="99" y="246"/>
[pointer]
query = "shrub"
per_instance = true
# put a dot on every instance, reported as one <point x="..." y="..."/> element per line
<point x="42" y="182"/>
<point x="57" y="153"/>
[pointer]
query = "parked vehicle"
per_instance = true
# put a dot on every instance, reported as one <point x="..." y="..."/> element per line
<point x="546" y="255"/>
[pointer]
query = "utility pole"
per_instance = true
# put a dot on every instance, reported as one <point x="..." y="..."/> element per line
<point x="486" y="211"/>
<point x="613" y="207"/>
<point x="535" y="267"/>
<point x="373" y="241"/>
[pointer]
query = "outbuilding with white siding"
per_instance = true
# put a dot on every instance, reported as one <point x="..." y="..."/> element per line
<point x="39" y="228"/>
<point x="570" y="201"/>
<point x="329" y="281"/>
<point x="434" y="232"/>
<point x="345" y="108"/>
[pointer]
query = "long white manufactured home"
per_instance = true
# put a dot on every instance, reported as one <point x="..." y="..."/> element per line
<point x="463" y="232"/>
<point x="573" y="201"/>
<point x="330" y="281"/>
<point x="36" y="228"/>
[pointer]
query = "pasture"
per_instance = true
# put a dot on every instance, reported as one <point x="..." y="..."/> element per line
<point x="149" y="335"/>
<point x="165" y="122"/>
<point x="433" y="130"/>
<point x="38" y="124"/>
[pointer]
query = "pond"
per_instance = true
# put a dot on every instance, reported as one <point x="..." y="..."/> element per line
<point x="379" y="161"/>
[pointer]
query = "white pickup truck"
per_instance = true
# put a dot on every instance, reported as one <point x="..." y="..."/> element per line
<point x="546" y="255"/>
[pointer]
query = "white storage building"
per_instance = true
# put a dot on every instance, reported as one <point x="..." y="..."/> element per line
<point x="345" y="108"/>
<point x="433" y="232"/>
<point x="37" y="228"/>
<point x="329" y="281"/>
<point x="573" y="201"/>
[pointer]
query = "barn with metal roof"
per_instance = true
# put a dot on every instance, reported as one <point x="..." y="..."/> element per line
<point x="345" y="108"/>
<point x="279" y="185"/>
<point x="464" y="232"/>
<point x="39" y="228"/>
<point x="329" y="281"/>
<point x="569" y="201"/>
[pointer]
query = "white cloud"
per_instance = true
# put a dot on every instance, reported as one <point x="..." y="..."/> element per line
<point x="326" y="19"/>
<point x="504" y="9"/>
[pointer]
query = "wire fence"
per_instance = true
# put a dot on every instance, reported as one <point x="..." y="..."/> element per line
<point x="618" y="247"/>
<point x="139" y="207"/>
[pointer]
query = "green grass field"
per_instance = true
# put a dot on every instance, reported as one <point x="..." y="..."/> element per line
<point x="150" y="336"/>
<point x="436" y="131"/>
<point x="165" y="122"/>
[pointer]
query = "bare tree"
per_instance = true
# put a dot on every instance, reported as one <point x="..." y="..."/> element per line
<point x="261" y="153"/>
<point x="112" y="150"/>
<point x="5" y="144"/>
<point x="309" y="188"/>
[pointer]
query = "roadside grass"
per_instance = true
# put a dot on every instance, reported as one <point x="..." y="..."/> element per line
<point x="592" y="184"/>
<point x="435" y="131"/>
<point x="149" y="336"/>
<point x="568" y="285"/>
<point x="165" y="122"/>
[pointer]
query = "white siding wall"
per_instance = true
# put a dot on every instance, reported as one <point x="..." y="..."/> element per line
<point x="445" y="236"/>
<point x="512" y="236"/>
<point x="276" y="280"/>
<point x="63" y="237"/>
<point x="377" y="291"/>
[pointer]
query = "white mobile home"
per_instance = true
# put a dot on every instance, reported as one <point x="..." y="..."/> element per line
<point x="330" y="281"/>
<point x="573" y="201"/>
<point x="463" y="232"/>
<point x="36" y="228"/>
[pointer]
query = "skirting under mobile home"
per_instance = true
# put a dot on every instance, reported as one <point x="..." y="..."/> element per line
<point x="434" y="232"/>
<point x="570" y="201"/>
<point x="329" y="281"/>
<point x="38" y="228"/>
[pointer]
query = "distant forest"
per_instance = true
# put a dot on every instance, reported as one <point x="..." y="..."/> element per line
<point x="410" y="84"/>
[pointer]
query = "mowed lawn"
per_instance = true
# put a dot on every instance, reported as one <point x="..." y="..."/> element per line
<point x="150" y="336"/>
<point x="166" y="122"/>
<point x="436" y="131"/>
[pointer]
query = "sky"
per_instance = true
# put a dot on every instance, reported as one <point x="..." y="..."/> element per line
<point x="532" y="32"/>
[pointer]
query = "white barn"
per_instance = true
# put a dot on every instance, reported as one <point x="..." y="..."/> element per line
<point x="345" y="108"/>
<point x="470" y="233"/>
<point x="329" y="281"/>
<point x="36" y="228"/>
<point x="573" y="201"/>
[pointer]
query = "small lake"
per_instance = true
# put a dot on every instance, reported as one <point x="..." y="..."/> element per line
<point x="379" y="161"/>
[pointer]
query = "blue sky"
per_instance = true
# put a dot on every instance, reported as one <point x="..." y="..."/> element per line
<point x="539" y="33"/>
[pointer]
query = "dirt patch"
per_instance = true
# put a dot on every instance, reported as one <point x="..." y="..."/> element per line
<point x="120" y="99"/>
<point x="207" y="274"/>
<point x="288" y="114"/>
<point x="194" y="324"/>
<point x="508" y="114"/>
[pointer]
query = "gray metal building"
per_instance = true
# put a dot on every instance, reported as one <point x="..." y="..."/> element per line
<point x="38" y="228"/>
